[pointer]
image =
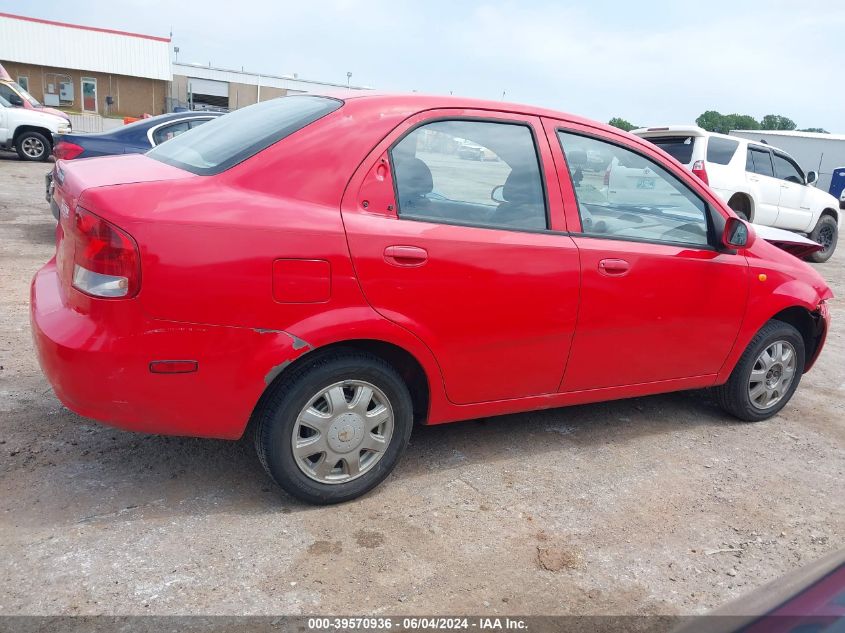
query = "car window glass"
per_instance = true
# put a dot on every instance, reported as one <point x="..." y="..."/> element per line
<point x="197" y="122"/>
<point x="6" y="92"/>
<point x="167" y="132"/>
<point x="678" y="147"/>
<point x="470" y="172"/>
<point x="634" y="197"/>
<point x="720" y="150"/>
<point x="228" y="140"/>
<point x="762" y="161"/>
<point x="785" y="169"/>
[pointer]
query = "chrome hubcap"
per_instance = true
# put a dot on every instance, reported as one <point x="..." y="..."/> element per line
<point x="772" y="375"/>
<point x="342" y="432"/>
<point x="32" y="147"/>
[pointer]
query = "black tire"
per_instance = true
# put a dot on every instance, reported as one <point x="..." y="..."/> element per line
<point x="276" y="418"/>
<point x="28" y="140"/>
<point x="733" y="397"/>
<point x="827" y="234"/>
<point x="739" y="205"/>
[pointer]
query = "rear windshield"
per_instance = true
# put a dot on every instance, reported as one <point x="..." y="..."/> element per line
<point x="721" y="150"/>
<point x="678" y="147"/>
<point x="232" y="138"/>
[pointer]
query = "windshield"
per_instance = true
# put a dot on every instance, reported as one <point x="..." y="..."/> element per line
<point x="24" y="94"/>
<point x="232" y="138"/>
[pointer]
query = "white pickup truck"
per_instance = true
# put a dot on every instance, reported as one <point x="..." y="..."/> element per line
<point x="30" y="132"/>
<point x="760" y="183"/>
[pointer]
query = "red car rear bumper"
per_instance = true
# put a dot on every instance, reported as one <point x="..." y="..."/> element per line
<point x="99" y="365"/>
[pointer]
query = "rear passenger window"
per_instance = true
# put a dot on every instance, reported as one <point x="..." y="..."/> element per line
<point x="167" y="132"/>
<point x="720" y="150"/>
<point x="470" y="172"/>
<point x="759" y="162"/>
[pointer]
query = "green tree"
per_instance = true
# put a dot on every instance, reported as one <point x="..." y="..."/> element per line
<point x="820" y="130"/>
<point x="777" y="122"/>
<point x="713" y="121"/>
<point x="740" y="122"/>
<point x="622" y="124"/>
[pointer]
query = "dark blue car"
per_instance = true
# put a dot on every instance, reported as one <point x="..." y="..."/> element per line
<point x="135" y="138"/>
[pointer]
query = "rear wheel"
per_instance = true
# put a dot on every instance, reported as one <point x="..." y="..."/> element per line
<point x="334" y="428"/>
<point x="32" y="146"/>
<point x="767" y="374"/>
<point x="826" y="233"/>
<point x="741" y="206"/>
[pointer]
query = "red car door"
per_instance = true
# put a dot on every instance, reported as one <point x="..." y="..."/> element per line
<point x="659" y="300"/>
<point x="456" y="232"/>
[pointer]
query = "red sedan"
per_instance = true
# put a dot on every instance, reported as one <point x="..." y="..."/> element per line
<point x="327" y="272"/>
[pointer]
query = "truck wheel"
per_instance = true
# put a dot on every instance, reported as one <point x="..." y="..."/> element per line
<point x="739" y="204"/>
<point x="826" y="233"/>
<point x="33" y="146"/>
<point x="767" y="374"/>
<point x="334" y="428"/>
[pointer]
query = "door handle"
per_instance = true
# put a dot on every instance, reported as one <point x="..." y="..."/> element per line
<point x="406" y="256"/>
<point x="754" y="179"/>
<point x="614" y="267"/>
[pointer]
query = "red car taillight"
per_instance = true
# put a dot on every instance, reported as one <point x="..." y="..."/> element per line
<point x="67" y="150"/>
<point x="106" y="260"/>
<point x="698" y="170"/>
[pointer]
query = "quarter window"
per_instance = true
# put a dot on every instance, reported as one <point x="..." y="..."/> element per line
<point x="167" y="132"/>
<point x="634" y="198"/>
<point x="759" y="162"/>
<point x="721" y="150"/>
<point x="470" y="172"/>
<point x="785" y="169"/>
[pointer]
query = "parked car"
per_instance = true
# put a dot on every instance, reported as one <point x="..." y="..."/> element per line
<point x="134" y="138"/>
<point x="760" y="183"/>
<point x="471" y="151"/>
<point x="17" y="97"/>
<point x="29" y="132"/>
<point x="285" y="271"/>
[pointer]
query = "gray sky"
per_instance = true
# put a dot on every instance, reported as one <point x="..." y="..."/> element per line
<point x="652" y="62"/>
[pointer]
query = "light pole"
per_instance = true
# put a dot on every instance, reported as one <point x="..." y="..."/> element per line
<point x="176" y="50"/>
<point x="348" y="78"/>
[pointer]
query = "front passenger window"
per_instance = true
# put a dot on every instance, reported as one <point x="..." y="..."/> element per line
<point x="476" y="173"/>
<point x="786" y="170"/>
<point x="632" y="198"/>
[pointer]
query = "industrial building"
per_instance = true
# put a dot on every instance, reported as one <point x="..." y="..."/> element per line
<point x="197" y="86"/>
<point x="86" y="69"/>
<point x="108" y="73"/>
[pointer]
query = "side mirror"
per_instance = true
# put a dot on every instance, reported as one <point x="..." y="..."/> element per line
<point x="737" y="234"/>
<point x="15" y="100"/>
<point x="496" y="194"/>
<point x="812" y="178"/>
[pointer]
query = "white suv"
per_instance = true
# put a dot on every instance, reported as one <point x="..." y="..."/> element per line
<point x="30" y="132"/>
<point x="760" y="183"/>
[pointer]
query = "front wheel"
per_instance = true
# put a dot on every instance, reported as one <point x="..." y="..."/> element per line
<point x="826" y="233"/>
<point x="767" y="374"/>
<point x="33" y="146"/>
<point x="334" y="428"/>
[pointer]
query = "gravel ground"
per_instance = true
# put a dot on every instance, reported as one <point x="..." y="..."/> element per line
<point x="658" y="505"/>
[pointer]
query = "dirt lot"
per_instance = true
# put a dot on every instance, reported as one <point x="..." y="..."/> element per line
<point x="625" y="508"/>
